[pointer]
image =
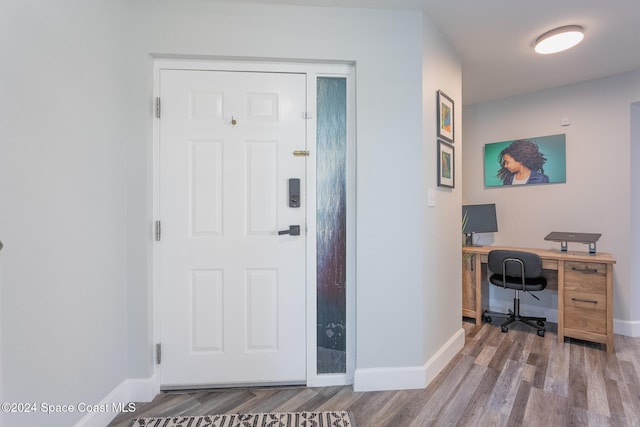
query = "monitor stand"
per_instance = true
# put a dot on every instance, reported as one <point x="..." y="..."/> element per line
<point x="565" y="237"/>
<point x="468" y="239"/>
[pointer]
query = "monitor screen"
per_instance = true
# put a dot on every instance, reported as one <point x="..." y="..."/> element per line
<point x="480" y="218"/>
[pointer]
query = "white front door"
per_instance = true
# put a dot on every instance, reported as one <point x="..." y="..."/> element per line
<point x="232" y="288"/>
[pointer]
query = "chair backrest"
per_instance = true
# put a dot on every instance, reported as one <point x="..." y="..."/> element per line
<point x="532" y="263"/>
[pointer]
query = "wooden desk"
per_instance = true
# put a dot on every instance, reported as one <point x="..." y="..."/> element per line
<point x="584" y="283"/>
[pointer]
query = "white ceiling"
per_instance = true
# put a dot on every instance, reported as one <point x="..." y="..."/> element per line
<point x="494" y="39"/>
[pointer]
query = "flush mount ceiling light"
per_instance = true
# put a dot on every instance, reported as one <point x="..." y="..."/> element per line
<point x="559" y="39"/>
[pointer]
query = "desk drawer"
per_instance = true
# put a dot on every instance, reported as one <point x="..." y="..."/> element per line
<point x="585" y="277"/>
<point x="586" y="321"/>
<point x="585" y="311"/>
<point x="550" y="264"/>
<point x="585" y="300"/>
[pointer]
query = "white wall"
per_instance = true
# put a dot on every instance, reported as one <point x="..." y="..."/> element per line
<point x="386" y="47"/>
<point x="595" y="198"/>
<point x="63" y="139"/>
<point x="443" y="274"/>
<point x="635" y="225"/>
<point x="75" y="183"/>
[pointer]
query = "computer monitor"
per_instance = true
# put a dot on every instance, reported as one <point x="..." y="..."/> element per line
<point x="479" y="219"/>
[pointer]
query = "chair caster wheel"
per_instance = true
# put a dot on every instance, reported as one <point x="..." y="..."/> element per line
<point x="487" y="319"/>
<point x="540" y="323"/>
<point x="505" y="329"/>
<point x="541" y="332"/>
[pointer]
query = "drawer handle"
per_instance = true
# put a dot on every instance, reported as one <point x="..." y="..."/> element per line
<point x="584" y="300"/>
<point x="585" y="270"/>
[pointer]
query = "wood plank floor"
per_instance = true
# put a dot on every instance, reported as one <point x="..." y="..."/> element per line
<point x="497" y="379"/>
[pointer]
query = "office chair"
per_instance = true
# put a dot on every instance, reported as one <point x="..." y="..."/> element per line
<point x="521" y="271"/>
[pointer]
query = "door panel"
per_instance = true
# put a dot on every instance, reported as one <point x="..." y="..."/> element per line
<point x="232" y="289"/>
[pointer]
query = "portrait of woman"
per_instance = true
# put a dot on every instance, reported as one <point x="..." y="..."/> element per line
<point x="540" y="160"/>
<point x="522" y="163"/>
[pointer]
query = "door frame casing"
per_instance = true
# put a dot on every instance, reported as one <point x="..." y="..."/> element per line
<point x="312" y="70"/>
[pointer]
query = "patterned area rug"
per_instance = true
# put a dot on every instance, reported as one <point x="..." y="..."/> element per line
<point x="278" y="419"/>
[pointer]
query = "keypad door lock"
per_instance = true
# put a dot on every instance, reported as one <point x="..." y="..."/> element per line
<point x="294" y="230"/>
<point x="294" y="192"/>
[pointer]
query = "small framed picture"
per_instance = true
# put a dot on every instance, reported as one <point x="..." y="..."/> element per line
<point x="445" y="117"/>
<point x="446" y="165"/>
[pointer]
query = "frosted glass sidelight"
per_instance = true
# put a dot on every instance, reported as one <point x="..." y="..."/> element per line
<point x="331" y="223"/>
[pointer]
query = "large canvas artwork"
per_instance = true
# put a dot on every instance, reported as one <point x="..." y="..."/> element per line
<point x="538" y="160"/>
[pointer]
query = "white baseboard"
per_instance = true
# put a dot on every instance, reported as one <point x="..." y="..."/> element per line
<point x="376" y="379"/>
<point x="629" y="328"/>
<point x="443" y="356"/>
<point x="412" y="377"/>
<point x="130" y="390"/>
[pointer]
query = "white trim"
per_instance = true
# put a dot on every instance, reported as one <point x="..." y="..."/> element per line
<point x="405" y="378"/>
<point x="311" y="243"/>
<point x="2" y="413"/>
<point x="444" y="355"/>
<point x="120" y="400"/>
<point x="155" y="293"/>
<point x="312" y="70"/>
<point x="378" y="379"/>
<point x="329" y="380"/>
<point x="275" y="66"/>
<point x="629" y="328"/>
<point x="352" y="161"/>
<point x="313" y="378"/>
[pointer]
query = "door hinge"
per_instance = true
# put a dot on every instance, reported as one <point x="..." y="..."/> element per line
<point x="158" y="107"/>
<point x="158" y="231"/>
<point x="158" y="353"/>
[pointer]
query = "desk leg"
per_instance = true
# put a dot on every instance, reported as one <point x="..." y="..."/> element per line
<point x="610" y="308"/>
<point x="478" y="273"/>
<point x="561" y="301"/>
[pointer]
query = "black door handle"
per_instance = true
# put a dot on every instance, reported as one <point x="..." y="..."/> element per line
<point x="294" y="230"/>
